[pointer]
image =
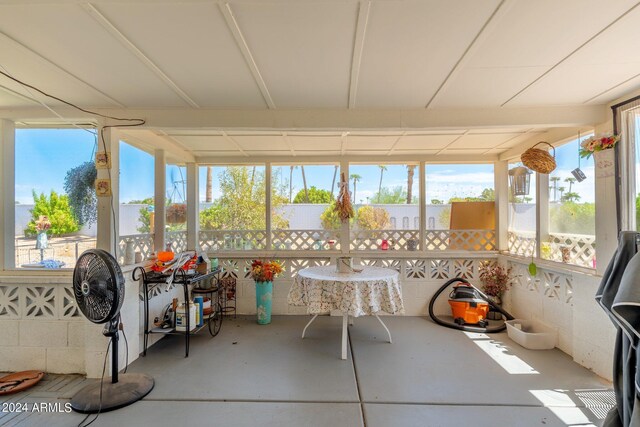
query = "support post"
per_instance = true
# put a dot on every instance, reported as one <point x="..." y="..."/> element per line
<point x="7" y="194"/>
<point x="193" y="207"/>
<point x="501" y="183"/>
<point x="108" y="207"/>
<point x="159" y="199"/>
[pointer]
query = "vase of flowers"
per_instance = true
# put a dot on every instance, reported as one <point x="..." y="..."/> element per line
<point x="42" y="225"/>
<point x="495" y="279"/>
<point x="263" y="273"/>
<point x="595" y="144"/>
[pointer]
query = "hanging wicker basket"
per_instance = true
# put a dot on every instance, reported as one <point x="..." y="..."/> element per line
<point x="539" y="160"/>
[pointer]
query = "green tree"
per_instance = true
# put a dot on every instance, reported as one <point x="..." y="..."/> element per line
<point x="144" y="219"/>
<point x="436" y="202"/>
<point x="241" y="205"/>
<point x="330" y="219"/>
<point x="391" y="196"/>
<point x="570" y="180"/>
<point x="382" y="169"/>
<point x="555" y="180"/>
<point x="488" y="195"/>
<point x="56" y="208"/>
<point x="79" y="186"/>
<point x="570" y="197"/>
<point x="313" y="195"/>
<point x="372" y="218"/>
<point x="573" y="218"/>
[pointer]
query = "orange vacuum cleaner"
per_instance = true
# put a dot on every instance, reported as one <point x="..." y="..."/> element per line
<point x="469" y="307"/>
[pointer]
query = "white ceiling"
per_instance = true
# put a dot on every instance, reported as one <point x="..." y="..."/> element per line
<point x="319" y="55"/>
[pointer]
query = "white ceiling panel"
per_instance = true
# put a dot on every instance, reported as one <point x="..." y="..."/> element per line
<point x="261" y="143"/>
<point x="542" y="32"/>
<point x="415" y="152"/>
<point x="483" y="87"/>
<point x="315" y="142"/>
<point x="411" y="46"/>
<point x="190" y="42"/>
<point x="356" y="142"/>
<point x="461" y="152"/>
<point x="414" y="142"/>
<point x="268" y="153"/>
<point x="204" y="142"/>
<point x="603" y="63"/>
<point x="67" y="36"/>
<point x="482" y="141"/>
<point x="302" y="49"/>
<point x="227" y="153"/>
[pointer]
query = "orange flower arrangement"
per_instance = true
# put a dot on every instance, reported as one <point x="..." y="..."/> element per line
<point x="265" y="271"/>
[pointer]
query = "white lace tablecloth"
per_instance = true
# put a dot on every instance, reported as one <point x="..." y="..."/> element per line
<point x="323" y="289"/>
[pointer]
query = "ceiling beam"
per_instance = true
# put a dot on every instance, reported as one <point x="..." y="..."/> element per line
<point x="393" y="146"/>
<point x="57" y="68"/>
<point x="364" y="8"/>
<point x="341" y="119"/>
<point x="604" y="92"/>
<point x="18" y="95"/>
<point x="494" y="20"/>
<point x="227" y="12"/>
<point x="124" y="41"/>
<point x="331" y="159"/>
<point x="150" y="141"/>
<point x="557" y="64"/>
<point x="289" y="144"/>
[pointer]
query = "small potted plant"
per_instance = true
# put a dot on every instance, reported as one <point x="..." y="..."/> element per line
<point x="263" y="273"/>
<point x="495" y="279"/>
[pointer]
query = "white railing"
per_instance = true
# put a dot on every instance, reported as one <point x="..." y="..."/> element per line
<point x="305" y="240"/>
<point x="468" y="240"/>
<point x="178" y="240"/>
<point x="521" y="242"/>
<point x="372" y="240"/>
<point x="142" y="243"/>
<point x="578" y="249"/>
<point x="232" y="240"/>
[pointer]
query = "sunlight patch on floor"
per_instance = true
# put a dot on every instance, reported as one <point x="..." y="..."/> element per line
<point x="500" y="354"/>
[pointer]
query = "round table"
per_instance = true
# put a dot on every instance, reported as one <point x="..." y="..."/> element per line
<point x="359" y="293"/>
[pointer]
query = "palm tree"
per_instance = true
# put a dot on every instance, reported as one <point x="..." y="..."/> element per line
<point x="555" y="180"/>
<point x="382" y="169"/>
<point x="304" y="183"/>
<point x="571" y="197"/>
<point x="410" y="171"/>
<point x="333" y="183"/>
<point x="355" y="177"/>
<point x="208" y="194"/>
<point x="291" y="168"/>
<point x="561" y="190"/>
<point x="570" y="180"/>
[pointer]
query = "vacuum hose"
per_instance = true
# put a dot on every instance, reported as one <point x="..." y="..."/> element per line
<point x="465" y="327"/>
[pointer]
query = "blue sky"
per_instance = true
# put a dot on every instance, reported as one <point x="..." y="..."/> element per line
<point x="44" y="155"/>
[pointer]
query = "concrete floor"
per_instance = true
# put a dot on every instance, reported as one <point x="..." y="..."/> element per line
<point x="267" y="375"/>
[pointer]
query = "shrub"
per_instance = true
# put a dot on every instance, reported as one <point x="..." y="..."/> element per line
<point x="56" y="208"/>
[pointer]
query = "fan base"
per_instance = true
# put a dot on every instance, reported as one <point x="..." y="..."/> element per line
<point x="129" y="389"/>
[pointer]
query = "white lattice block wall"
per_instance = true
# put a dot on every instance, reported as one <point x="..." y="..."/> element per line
<point x="419" y="277"/>
<point x="40" y="326"/>
<point x="565" y="300"/>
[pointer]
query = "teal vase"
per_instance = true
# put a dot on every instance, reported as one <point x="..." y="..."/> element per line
<point x="264" y="295"/>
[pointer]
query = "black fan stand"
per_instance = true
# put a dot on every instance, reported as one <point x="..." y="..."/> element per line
<point x="116" y="392"/>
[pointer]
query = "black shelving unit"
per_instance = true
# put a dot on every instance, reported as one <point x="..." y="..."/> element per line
<point x="211" y="287"/>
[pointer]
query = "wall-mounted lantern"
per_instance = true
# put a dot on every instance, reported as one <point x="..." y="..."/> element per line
<point x="519" y="181"/>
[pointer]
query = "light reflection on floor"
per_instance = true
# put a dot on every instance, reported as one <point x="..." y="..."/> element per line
<point x="500" y="354"/>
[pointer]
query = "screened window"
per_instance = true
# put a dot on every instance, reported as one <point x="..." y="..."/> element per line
<point x="302" y="207"/>
<point x="55" y="201"/>
<point x="460" y="197"/>
<point x="386" y="204"/>
<point x="522" y="214"/>
<point x="571" y="234"/>
<point x="232" y="208"/>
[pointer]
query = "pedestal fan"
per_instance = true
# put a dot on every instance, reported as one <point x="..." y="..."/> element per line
<point x="98" y="286"/>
